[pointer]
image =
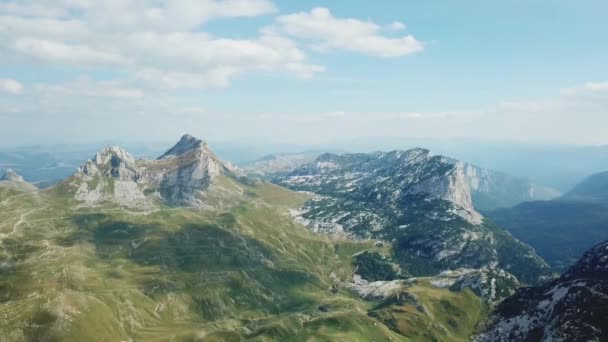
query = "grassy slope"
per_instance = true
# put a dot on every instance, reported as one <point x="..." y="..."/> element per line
<point x="250" y="272"/>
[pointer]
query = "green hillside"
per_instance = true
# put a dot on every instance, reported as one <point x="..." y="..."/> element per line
<point x="105" y="273"/>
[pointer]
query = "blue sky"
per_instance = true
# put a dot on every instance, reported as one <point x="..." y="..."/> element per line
<point x="300" y="71"/>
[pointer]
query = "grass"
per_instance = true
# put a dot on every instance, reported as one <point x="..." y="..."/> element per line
<point x="247" y="271"/>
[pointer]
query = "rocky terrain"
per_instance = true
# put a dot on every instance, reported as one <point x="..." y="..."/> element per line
<point x="573" y="307"/>
<point x="178" y="178"/>
<point x="275" y="165"/>
<point x="420" y="202"/>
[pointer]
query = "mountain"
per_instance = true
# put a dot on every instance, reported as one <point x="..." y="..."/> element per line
<point x="553" y="165"/>
<point x="274" y="165"/>
<point x="573" y="307"/>
<point x="561" y="230"/>
<point x="182" y="247"/>
<point x="180" y="176"/>
<point x="593" y="188"/>
<point x="489" y="189"/>
<point x="420" y="203"/>
<point x="11" y="184"/>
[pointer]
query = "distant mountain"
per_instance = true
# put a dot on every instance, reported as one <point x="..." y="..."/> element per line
<point x="562" y="229"/>
<point x="489" y="189"/>
<point x="593" y="188"/>
<point x="553" y="165"/>
<point x="573" y="307"/>
<point x="274" y="165"/>
<point x="11" y="184"/>
<point x="420" y="202"/>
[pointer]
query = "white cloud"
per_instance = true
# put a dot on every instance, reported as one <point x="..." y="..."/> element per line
<point x="412" y="116"/>
<point x="158" y="43"/>
<point x="66" y="53"/>
<point x="10" y="86"/>
<point x="84" y="86"/>
<point x="320" y="27"/>
<point x="395" y="26"/>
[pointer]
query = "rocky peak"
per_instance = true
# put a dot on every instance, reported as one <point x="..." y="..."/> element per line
<point x="10" y="175"/>
<point x="178" y="177"/>
<point x="113" y="155"/>
<point x="112" y="162"/>
<point x="186" y="144"/>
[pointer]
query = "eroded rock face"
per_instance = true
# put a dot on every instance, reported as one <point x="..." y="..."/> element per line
<point x="573" y="307"/>
<point x="178" y="177"/>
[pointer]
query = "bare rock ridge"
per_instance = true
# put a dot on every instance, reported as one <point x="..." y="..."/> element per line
<point x="185" y="144"/>
<point x="179" y="177"/>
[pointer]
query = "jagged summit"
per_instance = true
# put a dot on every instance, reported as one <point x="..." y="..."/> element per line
<point x="10" y="175"/>
<point x="186" y="144"/>
<point x="178" y="177"/>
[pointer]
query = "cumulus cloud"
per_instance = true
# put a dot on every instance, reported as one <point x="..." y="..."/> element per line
<point x="10" y="86"/>
<point x="320" y="27"/>
<point x="66" y="53"/>
<point x="158" y="43"/>
<point x="83" y="86"/>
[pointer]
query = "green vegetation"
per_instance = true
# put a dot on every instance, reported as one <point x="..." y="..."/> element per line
<point x="374" y="266"/>
<point x="72" y="273"/>
<point x="454" y="315"/>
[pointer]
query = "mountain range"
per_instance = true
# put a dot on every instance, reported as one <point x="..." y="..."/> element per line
<point x="377" y="246"/>
<point x="183" y="247"/>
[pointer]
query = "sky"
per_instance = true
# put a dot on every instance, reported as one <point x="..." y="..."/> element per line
<point x="303" y="71"/>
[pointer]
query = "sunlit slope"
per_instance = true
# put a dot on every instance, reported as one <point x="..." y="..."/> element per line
<point x="71" y="273"/>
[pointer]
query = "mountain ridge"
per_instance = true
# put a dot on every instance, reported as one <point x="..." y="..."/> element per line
<point x="419" y="202"/>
